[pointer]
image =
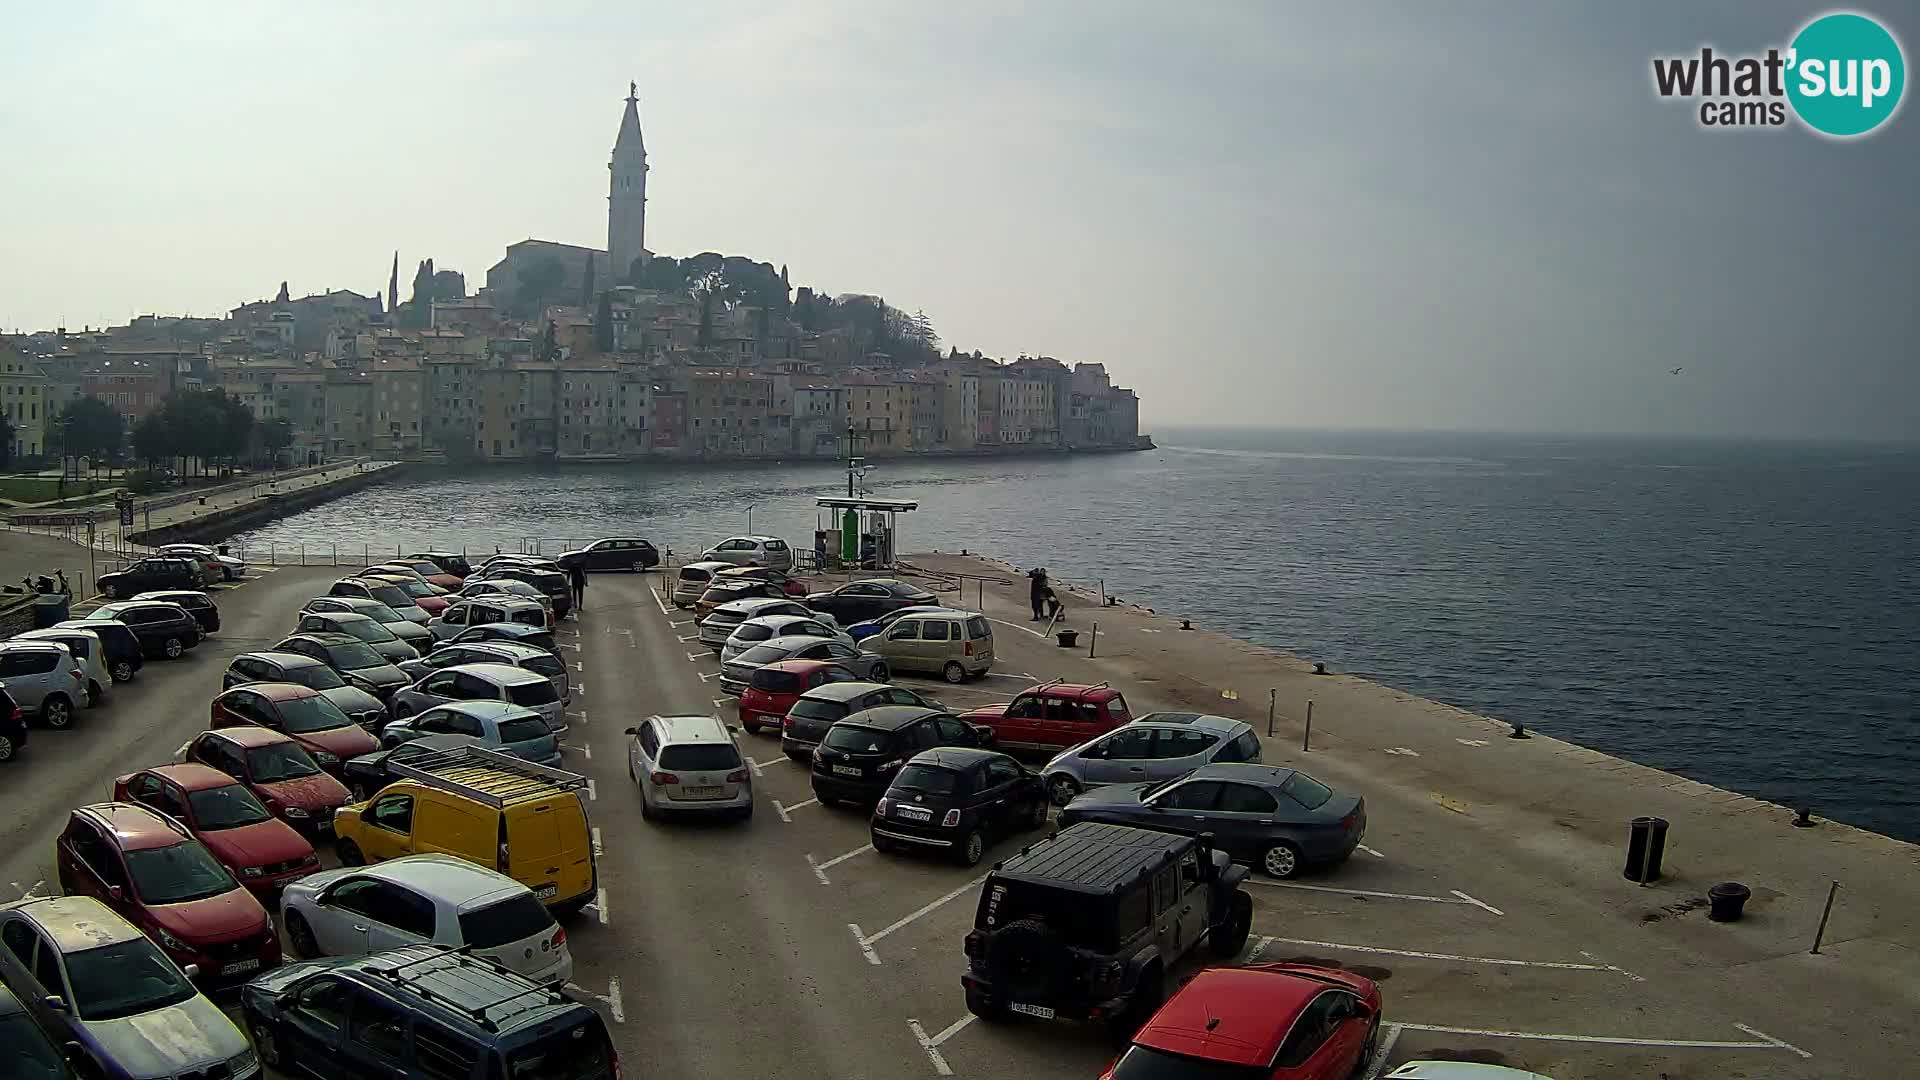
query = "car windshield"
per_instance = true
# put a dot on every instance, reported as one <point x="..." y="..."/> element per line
<point x="524" y="730"/>
<point x="279" y="761"/>
<point x="1306" y="791"/>
<point x="505" y="922"/>
<point x="761" y="654"/>
<point x="1146" y="1063"/>
<point x="532" y="694"/>
<point x="124" y="979"/>
<point x="855" y="739"/>
<point x="365" y="629"/>
<point x="929" y="779"/>
<point x="700" y="757"/>
<point x="353" y="656"/>
<point x="228" y="807"/>
<point x="177" y="874"/>
<point x="298" y="716"/>
<point x="31" y="1056"/>
<point x="391" y="595"/>
<point x="580" y="1053"/>
<point x="315" y="677"/>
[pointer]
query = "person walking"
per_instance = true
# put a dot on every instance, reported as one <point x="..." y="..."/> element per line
<point x="577" y="577"/>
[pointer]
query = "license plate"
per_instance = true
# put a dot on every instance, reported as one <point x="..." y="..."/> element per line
<point x="702" y="792"/>
<point x="1040" y="1011"/>
<point x="916" y="813"/>
<point x="239" y="966"/>
<point x="546" y="892"/>
<point x="846" y="770"/>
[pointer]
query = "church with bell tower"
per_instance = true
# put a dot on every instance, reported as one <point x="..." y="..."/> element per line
<point x="627" y="192"/>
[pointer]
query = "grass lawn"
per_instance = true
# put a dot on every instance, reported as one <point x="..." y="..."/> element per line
<point x="39" y="489"/>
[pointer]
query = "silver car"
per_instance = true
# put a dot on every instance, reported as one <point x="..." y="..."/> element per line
<point x="767" y="627"/>
<point x="1157" y="746"/>
<point x="86" y="649"/>
<point x="398" y="625"/>
<point x="768" y="551"/>
<point x="367" y="629"/>
<point x="481" y="682"/>
<point x="43" y="679"/>
<point x="720" y="623"/>
<point x="510" y="729"/>
<point x="688" y="764"/>
<point x="531" y="657"/>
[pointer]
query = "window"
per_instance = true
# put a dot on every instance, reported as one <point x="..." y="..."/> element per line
<point x="1306" y="791"/>
<point x="323" y="1000"/>
<point x="379" y="1027"/>
<point x="393" y="813"/>
<point x="936" y="630"/>
<point x="46" y="971"/>
<point x="1001" y="772"/>
<point x="1246" y="799"/>
<point x="20" y="940"/>
<point x="1128" y="744"/>
<point x="1197" y="795"/>
<point x="1317" y="1022"/>
<point x="1166" y="888"/>
<point x="441" y="1055"/>
<point x="904" y="630"/>
<point x="1025" y="708"/>
<point x="1244" y="748"/>
<point x="649" y="740"/>
<point x="1183" y="743"/>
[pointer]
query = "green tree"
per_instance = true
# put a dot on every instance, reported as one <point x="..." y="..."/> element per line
<point x="91" y="428"/>
<point x="603" y="323"/>
<point x="6" y="443"/>
<point x="153" y="438"/>
<point x="539" y="283"/>
<point x="586" y="286"/>
<point x="275" y="436"/>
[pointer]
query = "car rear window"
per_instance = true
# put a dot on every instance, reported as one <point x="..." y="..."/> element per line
<point x="300" y="716"/>
<point x="828" y="711"/>
<point x="1306" y="791"/>
<point x="391" y="595"/>
<point x="855" y="739"/>
<point x="353" y="657"/>
<point x="977" y="628"/>
<point x="928" y="778"/>
<point x="544" y="665"/>
<point x="505" y="922"/>
<point x="753" y="633"/>
<point x="776" y="681"/>
<point x="315" y="677"/>
<point x="524" y="730"/>
<point x="541" y="640"/>
<point x="700" y="757"/>
<point x="690" y="573"/>
<point x="579" y="1053"/>
<point x="532" y="694"/>
<point x="761" y="654"/>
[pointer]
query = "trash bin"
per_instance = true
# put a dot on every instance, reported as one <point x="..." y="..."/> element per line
<point x="50" y="608"/>
<point x="1067" y="638"/>
<point x="1646" y="845"/>
<point x="1726" y="901"/>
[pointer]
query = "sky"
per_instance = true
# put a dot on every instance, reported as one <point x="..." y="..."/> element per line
<point x="1427" y="216"/>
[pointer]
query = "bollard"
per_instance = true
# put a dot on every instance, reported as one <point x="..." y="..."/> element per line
<point x="1068" y="638"/>
<point x="1186" y="624"/>
<point x="1307" y="735"/>
<point x="1646" y="845"/>
<point x="1519" y="732"/>
<point x="1821" y="933"/>
<point x="1727" y="899"/>
<point x="1804" y="819"/>
<point x="1271" y="694"/>
<point x="1092" y="637"/>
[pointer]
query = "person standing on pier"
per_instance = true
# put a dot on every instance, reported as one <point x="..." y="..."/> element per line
<point x="1037" y="590"/>
<point x="577" y="577"/>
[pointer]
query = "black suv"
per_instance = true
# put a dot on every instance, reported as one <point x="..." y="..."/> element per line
<point x="856" y="760"/>
<point x="1089" y="923"/>
<point x="613" y="553"/>
<point x="164" y="630"/>
<point x="196" y="603"/>
<point x="425" y="1011"/>
<point x="151" y="573"/>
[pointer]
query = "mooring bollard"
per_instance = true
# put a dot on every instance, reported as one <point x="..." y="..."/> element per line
<point x="1821" y="933"/>
<point x="1519" y="732"/>
<point x="1727" y="900"/>
<point x="1646" y="846"/>
<point x="1804" y="819"/>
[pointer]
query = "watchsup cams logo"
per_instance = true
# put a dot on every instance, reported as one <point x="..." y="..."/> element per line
<point x="1842" y="76"/>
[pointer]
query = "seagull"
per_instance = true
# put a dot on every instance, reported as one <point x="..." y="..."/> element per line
<point x="1675" y="371"/>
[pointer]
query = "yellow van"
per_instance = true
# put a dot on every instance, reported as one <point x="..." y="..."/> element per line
<point x="958" y="645"/>
<point x="525" y="820"/>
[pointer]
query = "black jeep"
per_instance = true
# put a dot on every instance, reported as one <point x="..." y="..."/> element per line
<point x="1088" y="923"/>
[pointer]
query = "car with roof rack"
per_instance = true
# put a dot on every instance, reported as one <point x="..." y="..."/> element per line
<point x="165" y="631"/>
<point x="426" y="1011"/>
<point x="1054" y="716"/>
<point x="1277" y="1021"/>
<point x="1089" y="923"/>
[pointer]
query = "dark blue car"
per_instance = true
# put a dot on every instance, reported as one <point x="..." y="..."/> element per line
<point x="32" y="1056"/>
<point x="871" y="627"/>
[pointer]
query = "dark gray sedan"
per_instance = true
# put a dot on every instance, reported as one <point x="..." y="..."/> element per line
<point x="736" y="673"/>
<point x="1276" y="819"/>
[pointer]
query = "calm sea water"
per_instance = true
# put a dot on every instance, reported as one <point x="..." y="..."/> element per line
<point x="1747" y="615"/>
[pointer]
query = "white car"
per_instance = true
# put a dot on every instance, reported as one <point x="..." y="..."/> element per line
<point x="721" y="622"/>
<point x="690" y="764"/>
<point x="418" y="899"/>
<point x="85" y="647"/>
<point x="231" y="568"/>
<point x="764" y="628"/>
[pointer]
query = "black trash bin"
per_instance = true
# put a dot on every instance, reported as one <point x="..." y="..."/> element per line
<point x="1646" y="845"/>
<point x="1726" y="901"/>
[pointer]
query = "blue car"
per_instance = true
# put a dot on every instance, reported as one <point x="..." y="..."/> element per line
<point x="33" y="1057"/>
<point x="862" y="630"/>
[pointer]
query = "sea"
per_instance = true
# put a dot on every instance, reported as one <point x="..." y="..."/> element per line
<point x="1745" y="614"/>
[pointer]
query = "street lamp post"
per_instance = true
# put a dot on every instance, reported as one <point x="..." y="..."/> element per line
<point x="750" y="519"/>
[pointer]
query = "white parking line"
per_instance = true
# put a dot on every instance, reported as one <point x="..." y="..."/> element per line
<point x="1476" y="903"/>
<point x="684" y="638"/>
<point x="932" y="1048"/>
<point x="662" y="604"/>
<point x="593" y="793"/>
<point x="581" y="713"/>
<point x="867" y="943"/>
<point x="820" y="868"/>
<point x="27" y="893"/>
<point x="597" y="848"/>
<point x="722" y="702"/>
<point x="694" y="657"/>
<point x="784" y="810"/>
<point x="600" y="904"/>
<point x="705" y="675"/>
<point x="1378" y="1063"/>
<point x="1371" y="852"/>
<point x="1015" y="678"/>
<point x="566" y="645"/>
<point x="756" y="767"/>
<point x="681" y="623"/>
<point x="1767" y="1042"/>
<point x="1458" y="898"/>
<point x="1346" y="947"/>
<point x="578" y="688"/>
<point x="614" y="1004"/>
<point x="1017" y="626"/>
<point x="759" y="765"/>
<point x="579" y="667"/>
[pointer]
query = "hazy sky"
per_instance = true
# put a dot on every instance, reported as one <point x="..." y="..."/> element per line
<point x="1407" y="215"/>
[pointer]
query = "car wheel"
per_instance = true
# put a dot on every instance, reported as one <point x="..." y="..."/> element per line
<point x="226" y="574"/>
<point x="953" y="672"/>
<point x="1281" y="860"/>
<point x="94" y="693"/>
<point x="878" y="672"/>
<point x="56" y="712"/>
<point x="300" y="937"/>
<point x="122" y="671"/>
<point x="1037" y="817"/>
<point x="985" y="1007"/>
<point x="1368" y="1048"/>
<point x="1228" y="938"/>
<point x="6" y="748"/>
<point x="639" y="567"/>
<point x="971" y="848"/>
<point x="1062" y="788"/>
<point x="172" y="648"/>
<point x="349" y="853"/>
<point x="752" y="726"/>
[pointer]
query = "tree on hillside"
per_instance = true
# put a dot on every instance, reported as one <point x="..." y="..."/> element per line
<point x="152" y="439"/>
<point x="90" y="428"/>
<point x="540" y="283"/>
<point x="661" y="273"/>
<point x="586" y="287"/>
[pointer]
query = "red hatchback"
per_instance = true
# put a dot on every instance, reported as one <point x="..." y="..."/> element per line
<point x="303" y="714"/>
<point x="1262" y="1022"/>
<point x="776" y="686"/>
<point x="261" y="850"/>
<point x="1053" y="716"/>
<point x="279" y="772"/>
<point x="153" y="873"/>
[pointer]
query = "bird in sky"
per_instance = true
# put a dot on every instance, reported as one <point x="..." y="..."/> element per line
<point x="1675" y="371"/>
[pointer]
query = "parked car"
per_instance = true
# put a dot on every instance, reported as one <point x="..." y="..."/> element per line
<point x="518" y="633"/>
<point x="504" y="683"/>
<point x="426" y="899"/>
<point x="432" y="1012"/>
<point x="869" y="598"/>
<point x="413" y="633"/>
<point x="554" y="583"/>
<point x="215" y="565"/>
<point x="196" y="603"/>
<point x="763" y="628"/>
<point x="1054" y="716"/>
<point x="538" y="562"/>
<point x="368" y="773"/>
<point x="688" y="764"/>
<point x="34" y="1057"/>
<point x="816" y="710"/>
<point x="429" y="571"/>
<point x="305" y="716"/>
<point x="149" y="870"/>
<point x="613" y="553"/>
<point x="737" y="672"/>
<point x="208" y="566"/>
<point x="531" y="657"/>
<point x="261" y="850"/>
<point x="525" y="820"/>
<point x="352" y="659"/>
<point x="87" y="651"/>
<point x="449" y="562"/>
<point x="791" y="585"/>
<point x="152" y="572"/>
<point x="956" y="645"/>
<point x="720" y="623"/>
<point x="43" y="680"/>
<point x="1276" y="819"/>
<point x="1158" y="746"/>
<point x="692" y="579"/>
<point x="483" y="587"/>
<point x="866" y="629"/>
<point x="430" y="599"/>
<point x="1089" y="922"/>
<point x="404" y="570"/>
<point x="287" y="667"/>
<point x="386" y="592"/>
<point x="279" y="772"/>
<point x="1294" y="1021"/>
<point x="497" y="725"/>
<point x="489" y="609"/>
<point x="856" y="760"/>
<point x="768" y="551"/>
<point x="955" y="801"/>
<point x="124" y="655"/>
<point x="775" y="687"/>
<point x="100" y="988"/>
<point x="363" y="627"/>
<point x="164" y="631"/>
<point x="13" y="727"/>
<point x="723" y="589"/>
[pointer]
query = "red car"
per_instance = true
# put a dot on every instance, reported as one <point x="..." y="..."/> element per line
<point x="1262" y="1022"/>
<point x="1053" y="716"/>
<point x="152" y="872"/>
<point x="776" y="686"/>
<point x="261" y="850"/>
<point x="306" y="715"/>
<point x="279" y="772"/>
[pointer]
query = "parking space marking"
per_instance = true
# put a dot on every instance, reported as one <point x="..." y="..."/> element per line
<point x="597" y="848"/>
<point x="582" y="748"/>
<point x="819" y="868"/>
<point x="579" y="667"/>
<point x="1502" y="961"/>
<point x="581" y="713"/>
<point x="578" y="688"/>
<point x="611" y="999"/>
<point x="931" y="1044"/>
<point x="759" y="765"/>
<point x="867" y="943"/>
<point x="1371" y="852"/>
<point x="1476" y="903"/>
<point x="593" y="793"/>
<point x="566" y="645"/>
<point x="1378" y="1063"/>
<point x="1017" y="626"/>
<point x="684" y="638"/>
<point x="705" y="675"/>
<point x="661" y="603"/>
<point x="783" y="809"/>
<point x="27" y="893"/>
<point x="599" y="904"/>
<point x="722" y="702"/>
<point x="694" y="657"/>
<point x="1458" y="897"/>
<point x="1765" y="1041"/>
<point x="1015" y="678"/>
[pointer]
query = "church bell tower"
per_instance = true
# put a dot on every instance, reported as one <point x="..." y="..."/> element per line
<point x="627" y="194"/>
